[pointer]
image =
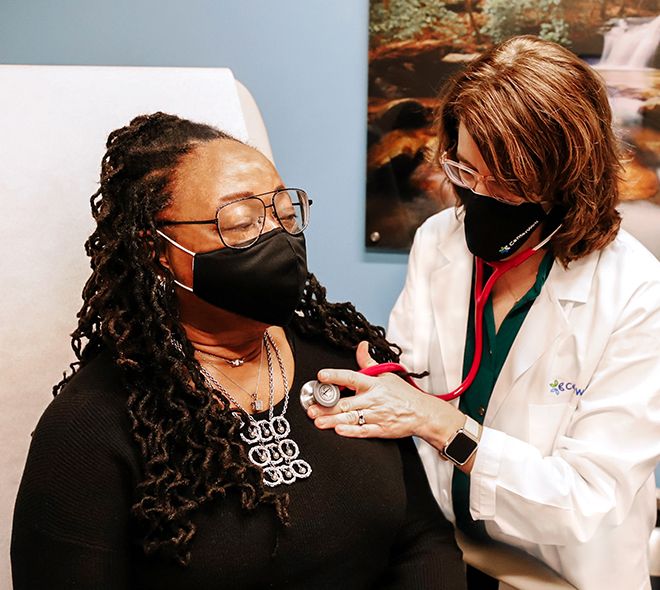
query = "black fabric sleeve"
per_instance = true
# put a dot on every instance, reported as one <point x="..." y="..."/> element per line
<point x="71" y="519"/>
<point x="425" y="554"/>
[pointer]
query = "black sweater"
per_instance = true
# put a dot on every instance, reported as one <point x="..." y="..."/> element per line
<point x="365" y="518"/>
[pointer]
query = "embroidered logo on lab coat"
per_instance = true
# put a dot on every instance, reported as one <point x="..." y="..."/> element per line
<point x="556" y="387"/>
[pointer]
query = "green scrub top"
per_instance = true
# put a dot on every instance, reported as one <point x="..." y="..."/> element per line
<point x="475" y="400"/>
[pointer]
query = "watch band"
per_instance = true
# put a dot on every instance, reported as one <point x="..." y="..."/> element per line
<point x="472" y="427"/>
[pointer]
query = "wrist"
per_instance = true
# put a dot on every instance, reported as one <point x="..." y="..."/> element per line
<point x="467" y="468"/>
<point x="439" y="422"/>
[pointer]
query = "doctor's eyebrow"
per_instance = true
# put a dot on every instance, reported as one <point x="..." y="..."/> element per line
<point x="465" y="161"/>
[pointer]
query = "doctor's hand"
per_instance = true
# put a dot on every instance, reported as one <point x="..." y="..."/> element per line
<point x="389" y="407"/>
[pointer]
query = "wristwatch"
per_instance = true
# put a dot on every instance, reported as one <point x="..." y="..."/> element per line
<point x="463" y="443"/>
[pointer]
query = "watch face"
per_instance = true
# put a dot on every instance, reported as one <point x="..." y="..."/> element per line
<point x="460" y="448"/>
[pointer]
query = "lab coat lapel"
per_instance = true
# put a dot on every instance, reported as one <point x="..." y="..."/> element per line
<point x="547" y="320"/>
<point x="450" y="297"/>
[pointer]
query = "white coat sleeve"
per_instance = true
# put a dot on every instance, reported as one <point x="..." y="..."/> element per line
<point x="606" y="455"/>
<point x="400" y="327"/>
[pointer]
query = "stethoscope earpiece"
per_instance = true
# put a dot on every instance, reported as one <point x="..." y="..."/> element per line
<point x="323" y="394"/>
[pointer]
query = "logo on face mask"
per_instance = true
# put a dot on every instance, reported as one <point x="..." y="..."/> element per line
<point x="507" y="247"/>
<point x="556" y="387"/>
<point x="495" y="230"/>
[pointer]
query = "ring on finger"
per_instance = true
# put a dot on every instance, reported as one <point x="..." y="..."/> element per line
<point x="360" y="418"/>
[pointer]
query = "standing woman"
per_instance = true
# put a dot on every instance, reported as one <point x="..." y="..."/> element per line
<point x="177" y="455"/>
<point x="552" y="445"/>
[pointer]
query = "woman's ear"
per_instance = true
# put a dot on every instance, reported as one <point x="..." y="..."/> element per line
<point x="160" y="251"/>
<point x="155" y="246"/>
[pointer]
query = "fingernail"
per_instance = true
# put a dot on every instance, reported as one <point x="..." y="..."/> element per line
<point x="323" y="375"/>
<point x="312" y="413"/>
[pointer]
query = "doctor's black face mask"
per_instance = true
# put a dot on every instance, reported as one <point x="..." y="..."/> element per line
<point x="495" y="230"/>
<point x="263" y="282"/>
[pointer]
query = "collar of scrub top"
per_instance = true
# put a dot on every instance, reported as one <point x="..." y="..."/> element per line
<point x="481" y="293"/>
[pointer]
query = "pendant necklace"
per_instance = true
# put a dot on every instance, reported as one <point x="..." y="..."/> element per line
<point x="270" y="446"/>
<point x="256" y="403"/>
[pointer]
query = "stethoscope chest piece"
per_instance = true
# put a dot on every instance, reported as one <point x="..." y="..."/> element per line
<point x="323" y="394"/>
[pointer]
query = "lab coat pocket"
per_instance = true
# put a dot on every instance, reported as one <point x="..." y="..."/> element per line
<point x="546" y="423"/>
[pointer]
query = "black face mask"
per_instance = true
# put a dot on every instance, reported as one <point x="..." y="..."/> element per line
<point x="263" y="282"/>
<point x="495" y="230"/>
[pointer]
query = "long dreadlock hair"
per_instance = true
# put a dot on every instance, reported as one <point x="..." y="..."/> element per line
<point x="187" y="437"/>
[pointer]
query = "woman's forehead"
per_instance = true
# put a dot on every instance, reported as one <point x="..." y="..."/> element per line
<point x="214" y="172"/>
<point x="468" y="151"/>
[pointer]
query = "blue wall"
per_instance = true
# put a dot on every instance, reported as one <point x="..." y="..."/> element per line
<point x="305" y="62"/>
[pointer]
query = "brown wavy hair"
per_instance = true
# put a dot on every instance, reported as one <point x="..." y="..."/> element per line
<point x="542" y="122"/>
<point x="187" y="437"/>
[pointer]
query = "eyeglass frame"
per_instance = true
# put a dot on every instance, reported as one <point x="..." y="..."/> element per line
<point x="483" y="178"/>
<point x="166" y="222"/>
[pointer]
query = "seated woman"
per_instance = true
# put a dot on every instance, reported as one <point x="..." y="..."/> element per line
<point x="177" y="455"/>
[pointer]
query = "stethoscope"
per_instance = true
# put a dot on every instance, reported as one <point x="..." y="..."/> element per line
<point x="328" y="394"/>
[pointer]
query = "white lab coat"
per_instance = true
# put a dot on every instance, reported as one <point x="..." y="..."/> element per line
<point x="571" y="435"/>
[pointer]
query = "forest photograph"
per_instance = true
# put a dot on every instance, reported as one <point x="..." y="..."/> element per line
<point x="415" y="45"/>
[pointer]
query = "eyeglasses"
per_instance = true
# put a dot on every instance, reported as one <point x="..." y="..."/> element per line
<point x="464" y="176"/>
<point x="241" y="222"/>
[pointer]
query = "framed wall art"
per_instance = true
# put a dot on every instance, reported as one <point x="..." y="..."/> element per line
<point x="415" y="45"/>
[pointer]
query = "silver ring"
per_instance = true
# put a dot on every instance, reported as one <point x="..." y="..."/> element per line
<point x="361" y="421"/>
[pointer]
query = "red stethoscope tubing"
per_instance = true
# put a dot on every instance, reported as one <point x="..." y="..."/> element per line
<point x="375" y="370"/>
<point x="480" y="298"/>
<point x="481" y="293"/>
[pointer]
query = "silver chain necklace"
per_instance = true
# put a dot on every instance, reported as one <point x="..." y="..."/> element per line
<point x="269" y="444"/>
<point x="257" y="404"/>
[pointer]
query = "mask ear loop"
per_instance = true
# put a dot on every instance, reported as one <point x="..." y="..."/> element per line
<point x="547" y="239"/>
<point x="184" y="249"/>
